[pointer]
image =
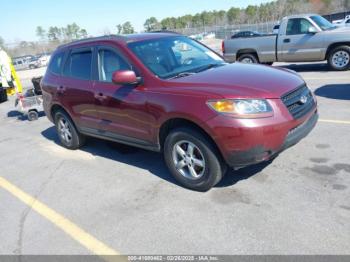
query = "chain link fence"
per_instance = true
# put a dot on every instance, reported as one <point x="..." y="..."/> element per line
<point x="224" y="32"/>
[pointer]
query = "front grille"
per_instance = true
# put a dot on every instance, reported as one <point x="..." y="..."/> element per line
<point x="293" y="101"/>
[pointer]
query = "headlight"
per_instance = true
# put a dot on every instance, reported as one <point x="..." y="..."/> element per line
<point x="242" y="108"/>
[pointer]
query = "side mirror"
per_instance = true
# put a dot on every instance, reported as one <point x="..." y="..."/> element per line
<point x="312" y="30"/>
<point x="125" y="77"/>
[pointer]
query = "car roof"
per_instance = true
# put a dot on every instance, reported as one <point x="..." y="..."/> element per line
<point x="301" y="15"/>
<point x="123" y="39"/>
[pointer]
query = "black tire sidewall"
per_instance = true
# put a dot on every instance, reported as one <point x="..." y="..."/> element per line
<point x="251" y="56"/>
<point x="77" y="139"/>
<point x="330" y="62"/>
<point x="32" y="115"/>
<point x="213" y="170"/>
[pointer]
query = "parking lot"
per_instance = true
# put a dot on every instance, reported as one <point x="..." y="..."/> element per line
<point x="109" y="198"/>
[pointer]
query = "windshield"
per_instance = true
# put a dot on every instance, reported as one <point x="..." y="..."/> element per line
<point x="323" y="23"/>
<point x="175" y="56"/>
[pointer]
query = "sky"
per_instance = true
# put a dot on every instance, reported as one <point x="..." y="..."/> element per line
<point x="19" y="18"/>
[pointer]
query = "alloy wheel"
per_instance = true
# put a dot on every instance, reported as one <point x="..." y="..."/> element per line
<point x="188" y="160"/>
<point x="65" y="130"/>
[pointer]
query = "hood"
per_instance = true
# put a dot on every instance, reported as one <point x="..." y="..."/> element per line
<point x="341" y="28"/>
<point x="241" y="81"/>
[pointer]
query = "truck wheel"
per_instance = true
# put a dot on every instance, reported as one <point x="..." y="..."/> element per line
<point x="339" y="58"/>
<point x="33" y="115"/>
<point x="248" y="59"/>
<point x="193" y="160"/>
<point x="68" y="134"/>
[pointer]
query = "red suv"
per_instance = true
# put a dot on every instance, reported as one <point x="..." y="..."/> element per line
<point x="168" y="93"/>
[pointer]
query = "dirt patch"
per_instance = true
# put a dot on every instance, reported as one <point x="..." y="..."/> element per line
<point x="322" y="146"/>
<point x="323" y="170"/>
<point x="339" y="187"/>
<point x="229" y="196"/>
<point x="319" y="160"/>
<point x="342" y="166"/>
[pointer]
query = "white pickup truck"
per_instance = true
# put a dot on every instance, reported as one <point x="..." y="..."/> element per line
<point x="301" y="38"/>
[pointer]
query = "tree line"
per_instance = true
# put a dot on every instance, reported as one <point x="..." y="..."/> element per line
<point x="264" y="12"/>
<point x="270" y="11"/>
<point x="54" y="33"/>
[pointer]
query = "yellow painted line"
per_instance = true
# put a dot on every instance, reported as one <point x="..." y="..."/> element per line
<point x="334" y="121"/>
<point x="75" y="232"/>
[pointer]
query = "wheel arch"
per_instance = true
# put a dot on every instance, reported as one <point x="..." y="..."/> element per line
<point x="334" y="45"/>
<point x="178" y="122"/>
<point x="248" y="51"/>
<point x="55" y="107"/>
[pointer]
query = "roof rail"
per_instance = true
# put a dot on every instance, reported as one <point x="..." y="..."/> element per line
<point x="89" y="39"/>
<point x="165" y="31"/>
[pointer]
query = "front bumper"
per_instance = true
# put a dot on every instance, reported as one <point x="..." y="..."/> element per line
<point x="260" y="153"/>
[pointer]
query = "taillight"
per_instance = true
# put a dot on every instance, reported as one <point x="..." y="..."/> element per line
<point x="223" y="47"/>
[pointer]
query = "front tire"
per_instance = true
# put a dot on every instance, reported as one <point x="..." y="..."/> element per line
<point x="248" y="59"/>
<point x="339" y="58"/>
<point x="67" y="132"/>
<point x="192" y="159"/>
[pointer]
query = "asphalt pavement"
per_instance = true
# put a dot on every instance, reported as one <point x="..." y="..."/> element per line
<point x="111" y="198"/>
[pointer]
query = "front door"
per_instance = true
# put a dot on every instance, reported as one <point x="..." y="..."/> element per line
<point x="122" y="109"/>
<point x="300" y="45"/>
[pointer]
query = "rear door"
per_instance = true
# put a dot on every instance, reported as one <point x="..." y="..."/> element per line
<point x="76" y="90"/>
<point x="121" y="108"/>
<point x="298" y="44"/>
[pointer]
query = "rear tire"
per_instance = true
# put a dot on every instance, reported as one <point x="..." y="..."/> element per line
<point x="339" y="58"/>
<point x="33" y="115"/>
<point x="248" y="59"/>
<point x="67" y="132"/>
<point x="188" y="152"/>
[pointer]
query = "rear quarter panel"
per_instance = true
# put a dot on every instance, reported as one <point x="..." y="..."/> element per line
<point x="264" y="46"/>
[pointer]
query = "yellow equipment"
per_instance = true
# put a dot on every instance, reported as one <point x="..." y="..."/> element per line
<point x="8" y="75"/>
<point x="18" y="85"/>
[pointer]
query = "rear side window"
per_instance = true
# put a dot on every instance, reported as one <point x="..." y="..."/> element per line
<point x="78" y="65"/>
<point x="56" y="62"/>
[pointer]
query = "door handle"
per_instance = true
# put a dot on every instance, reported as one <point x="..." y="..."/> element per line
<point x="61" y="90"/>
<point x="100" y="96"/>
<point x="287" y="40"/>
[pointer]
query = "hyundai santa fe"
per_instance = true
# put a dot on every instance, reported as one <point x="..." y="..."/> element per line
<point x="168" y="93"/>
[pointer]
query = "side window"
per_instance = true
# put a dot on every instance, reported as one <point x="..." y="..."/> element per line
<point x="298" y="26"/>
<point x="348" y="21"/>
<point x="304" y="26"/>
<point x="78" y="65"/>
<point x="109" y="62"/>
<point x="56" y="62"/>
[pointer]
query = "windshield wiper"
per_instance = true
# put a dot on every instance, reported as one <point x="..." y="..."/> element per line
<point x="197" y="70"/>
<point x="182" y="74"/>
<point x="208" y="66"/>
